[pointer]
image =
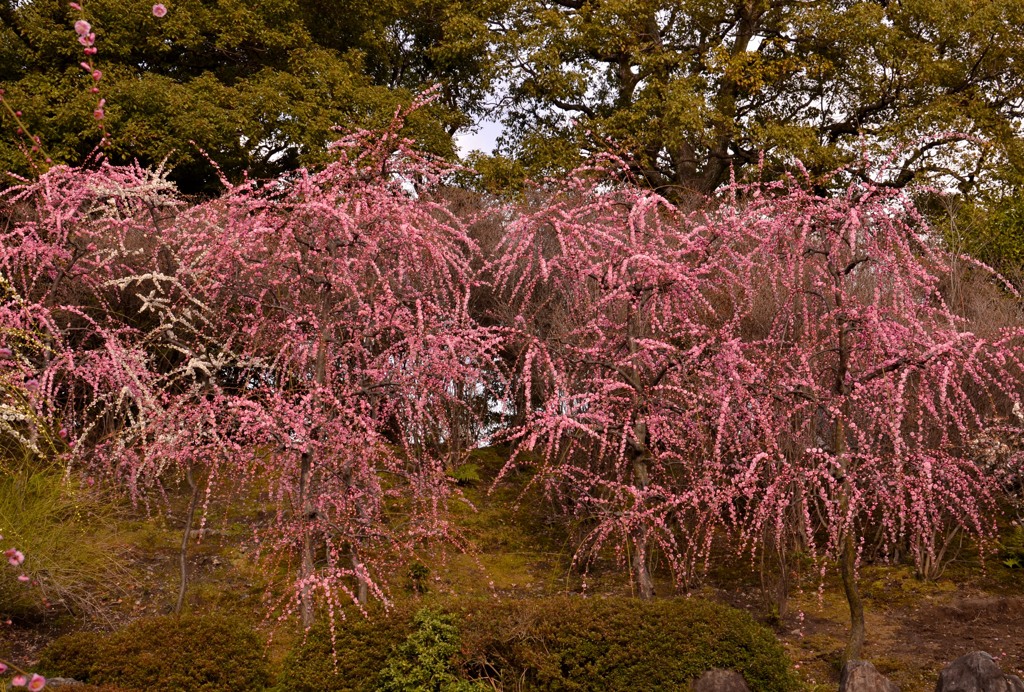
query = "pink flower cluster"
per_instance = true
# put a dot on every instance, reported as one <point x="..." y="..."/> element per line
<point x="21" y="678"/>
<point x="87" y="37"/>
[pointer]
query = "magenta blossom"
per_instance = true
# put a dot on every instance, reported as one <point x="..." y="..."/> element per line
<point x="37" y="682"/>
<point x="82" y="27"/>
<point x="159" y="10"/>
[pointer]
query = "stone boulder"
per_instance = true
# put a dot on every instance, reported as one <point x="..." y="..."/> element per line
<point x="861" y="676"/>
<point x="719" y="680"/>
<point x="977" y="672"/>
<point x="63" y="682"/>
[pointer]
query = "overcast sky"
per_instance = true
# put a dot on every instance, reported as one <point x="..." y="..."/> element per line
<point x="483" y="139"/>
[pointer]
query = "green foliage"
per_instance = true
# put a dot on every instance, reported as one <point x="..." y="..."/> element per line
<point x="466" y="474"/>
<point x="258" y="86"/>
<point x="689" y="88"/>
<point x="572" y="643"/>
<point x="418" y="573"/>
<point x="351" y="663"/>
<point x="987" y="227"/>
<point x="165" y="653"/>
<point x="68" y="535"/>
<point x="1002" y="241"/>
<point x="428" y="660"/>
<point x="1011" y="549"/>
<point x="563" y="643"/>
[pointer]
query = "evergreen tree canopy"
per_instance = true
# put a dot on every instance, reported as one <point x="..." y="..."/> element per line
<point x="689" y="88"/>
<point x="256" y="85"/>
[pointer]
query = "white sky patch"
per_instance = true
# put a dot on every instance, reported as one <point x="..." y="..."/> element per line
<point x="482" y="137"/>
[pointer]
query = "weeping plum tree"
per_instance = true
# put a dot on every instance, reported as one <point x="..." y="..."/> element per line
<point x="79" y="355"/>
<point x="75" y="362"/>
<point x="312" y="331"/>
<point x="326" y="316"/>
<point x="615" y="298"/>
<point x="868" y="389"/>
<point x="784" y="365"/>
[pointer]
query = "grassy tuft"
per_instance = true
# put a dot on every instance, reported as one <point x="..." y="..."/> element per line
<point x="68" y="534"/>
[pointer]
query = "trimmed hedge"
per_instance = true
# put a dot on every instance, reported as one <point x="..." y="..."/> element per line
<point x="618" y="644"/>
<point x="362" y="646"/>
<point x="186" y="654"/>
<point x="558" y="644"/>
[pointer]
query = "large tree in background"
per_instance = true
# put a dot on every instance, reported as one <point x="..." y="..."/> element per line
<point x="257" y="85"/>
<point x="690" y="88"/>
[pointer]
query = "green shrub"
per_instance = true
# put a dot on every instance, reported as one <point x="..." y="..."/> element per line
<point x="165" y="653"/>
<point x="564" y="644"/>
<point x="362" y="646"/>
<point x="572" y="643"/>
<point x="428" y="660"/>
<point x="466" y="474"/>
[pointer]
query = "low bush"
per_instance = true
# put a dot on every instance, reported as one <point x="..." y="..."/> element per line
<point x="564" y="644"/>
<point x="361" y="649"/>
<point x="186" y="654"/>
<point x="428" y="660"/>
<point x="572" y="643"/>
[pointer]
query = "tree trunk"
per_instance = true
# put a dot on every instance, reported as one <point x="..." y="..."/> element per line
<point x="775" y="587"/>
<point x="183" y="555"/>
<point x="305" y="506"/>
<point x="362" y="589"/>
<point x="641" y="569"/>
<point x="847" y="566"/>
<point x="848" y="555"/>
<point x="306" y="564"/>
<point x="642" y="572"/>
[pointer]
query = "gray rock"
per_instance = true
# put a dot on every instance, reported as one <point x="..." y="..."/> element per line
<point x="719" y="680"/>
<point x="861" y="676"/>
<point x="62" y="682"/>
<point x="977" y="672"/>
